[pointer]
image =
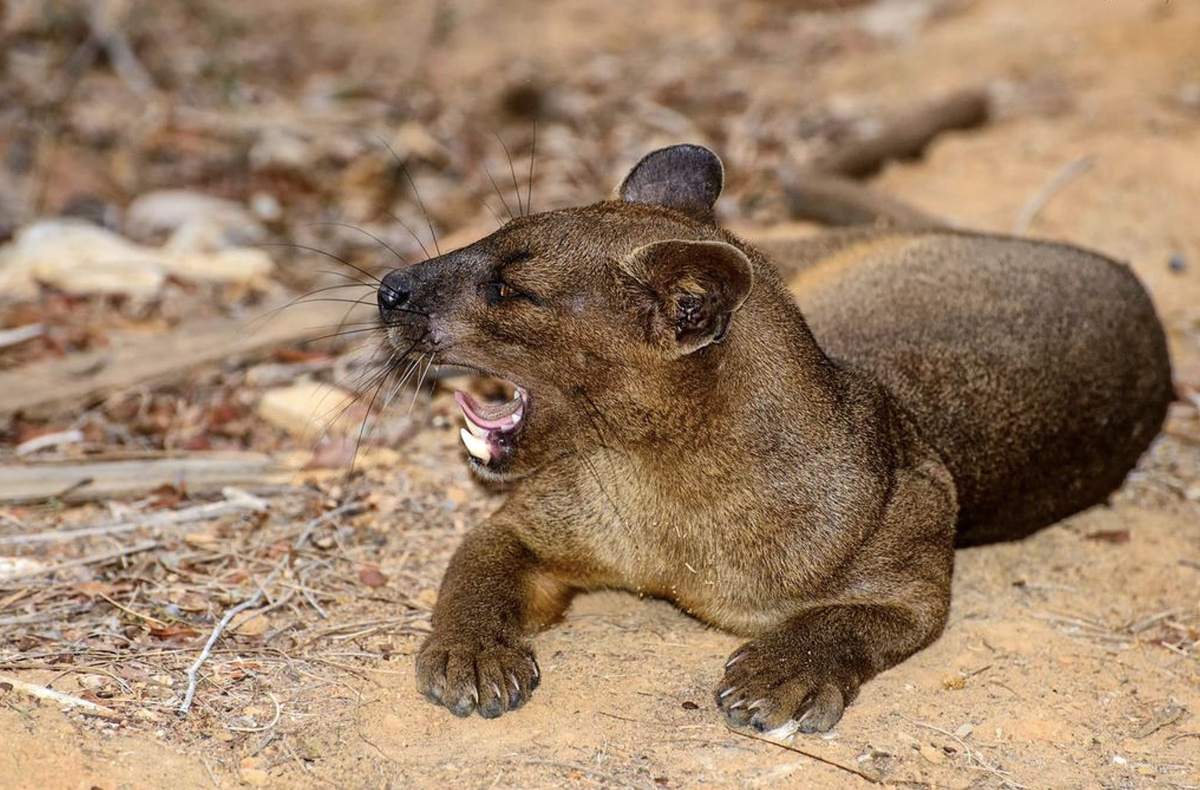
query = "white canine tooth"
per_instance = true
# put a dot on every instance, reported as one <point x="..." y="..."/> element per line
<point x="516" y="418"/>
<point x="476" y="446"/>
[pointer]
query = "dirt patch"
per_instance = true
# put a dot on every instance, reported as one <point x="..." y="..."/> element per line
<point x="1072" y="659"/>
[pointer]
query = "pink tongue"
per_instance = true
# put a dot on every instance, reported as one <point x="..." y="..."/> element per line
<point x="489" y="416"/>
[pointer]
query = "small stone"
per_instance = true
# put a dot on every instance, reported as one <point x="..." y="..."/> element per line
<point x="265" y="207"/>
<point x="81" y="258"/>
<point x="284" y="149"/>
<point x="154" y="216"/>
<point x="255" y="777"/>
<point x="1189" y="95"/>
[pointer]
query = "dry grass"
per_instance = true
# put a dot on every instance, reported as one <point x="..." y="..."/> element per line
<point x="128" y="615"/>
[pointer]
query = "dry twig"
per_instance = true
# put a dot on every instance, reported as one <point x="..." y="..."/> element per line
<point x="93" y="559"/>
<point x="972" y="754"/>
<point x="827" y="193"/>
<point x="171" y="518"/>
<point x="1071" y="171"/>
<point x="907" y="135"/>
<point x="193" y="673"/>
<point x="850" y="769"/>
<point x="11" y="337"/>
<point x="41" y="692"/>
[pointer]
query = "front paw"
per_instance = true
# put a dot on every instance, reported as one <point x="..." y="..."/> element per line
<point x="466" y="674"/>
<point x="779" y="684"/>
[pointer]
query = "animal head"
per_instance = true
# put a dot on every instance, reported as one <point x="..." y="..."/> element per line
<point x="589" y="313"/>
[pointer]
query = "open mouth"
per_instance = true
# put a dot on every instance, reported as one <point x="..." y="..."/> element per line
<point x="491" y="427"/>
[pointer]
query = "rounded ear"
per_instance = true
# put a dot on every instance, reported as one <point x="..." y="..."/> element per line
<point x="694" y="288"/>
<point x="687" y="178"/>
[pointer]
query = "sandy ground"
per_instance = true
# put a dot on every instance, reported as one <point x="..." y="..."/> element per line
<point x="1071" y="659"/>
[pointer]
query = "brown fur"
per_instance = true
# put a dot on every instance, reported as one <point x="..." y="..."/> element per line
<point x="687" y="436"/>
<point x="1038" y="371"/>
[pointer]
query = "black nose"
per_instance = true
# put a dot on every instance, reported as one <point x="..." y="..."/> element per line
<point x="395" y="290"/>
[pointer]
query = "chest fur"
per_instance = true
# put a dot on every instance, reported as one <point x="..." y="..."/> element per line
<point x="741" y="553"/>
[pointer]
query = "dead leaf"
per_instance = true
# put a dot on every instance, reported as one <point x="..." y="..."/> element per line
<point x="167" y="496"/>
<point x="372" y="577"/>
<point x="170" y="632"/>
<point x="93" y="589"/>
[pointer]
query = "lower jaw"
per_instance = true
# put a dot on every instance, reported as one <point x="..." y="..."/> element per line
<point x="494" y="471"/>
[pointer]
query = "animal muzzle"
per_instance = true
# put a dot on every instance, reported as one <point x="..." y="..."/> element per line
<point x="395" y="292"/>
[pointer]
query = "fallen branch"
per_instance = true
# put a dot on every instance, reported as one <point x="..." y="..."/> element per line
<point x="107" y="556"/>
<point x="826" y="191"/>
<point x="52" y="386"/>
<point x="908" y="135"/>
<point x="11" y="337"/>
<point x="37" y="482"/>
<point x="171" y="518"/>
<point x="58" y="439"/>
<point x="41" y="692"/>
<point x="838" y="201"/>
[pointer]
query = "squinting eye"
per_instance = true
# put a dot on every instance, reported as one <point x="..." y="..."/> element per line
<point x="499" y="291"/>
